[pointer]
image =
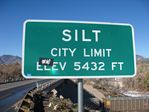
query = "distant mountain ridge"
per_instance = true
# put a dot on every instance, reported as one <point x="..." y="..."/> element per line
<point x="139" y="57"/>
<point x="142" y="59"/>
<point x="10" y="59"/>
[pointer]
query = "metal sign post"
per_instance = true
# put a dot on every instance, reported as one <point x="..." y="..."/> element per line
<point x="80" y="95"/>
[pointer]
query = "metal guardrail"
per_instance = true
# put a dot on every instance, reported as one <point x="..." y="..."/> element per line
<point x="31" y="97"/>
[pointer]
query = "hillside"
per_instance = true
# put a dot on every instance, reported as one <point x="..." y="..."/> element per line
<point x="10" y="68"/>
<point x="141" y="80"/>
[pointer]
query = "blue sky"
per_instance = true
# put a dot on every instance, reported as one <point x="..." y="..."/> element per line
<point x="14" y="12"/>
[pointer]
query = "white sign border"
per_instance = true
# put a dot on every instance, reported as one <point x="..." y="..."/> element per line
<point x="76" y="77"/>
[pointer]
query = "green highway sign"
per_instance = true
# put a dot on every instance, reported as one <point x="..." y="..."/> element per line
<point x="75" y="49"/>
